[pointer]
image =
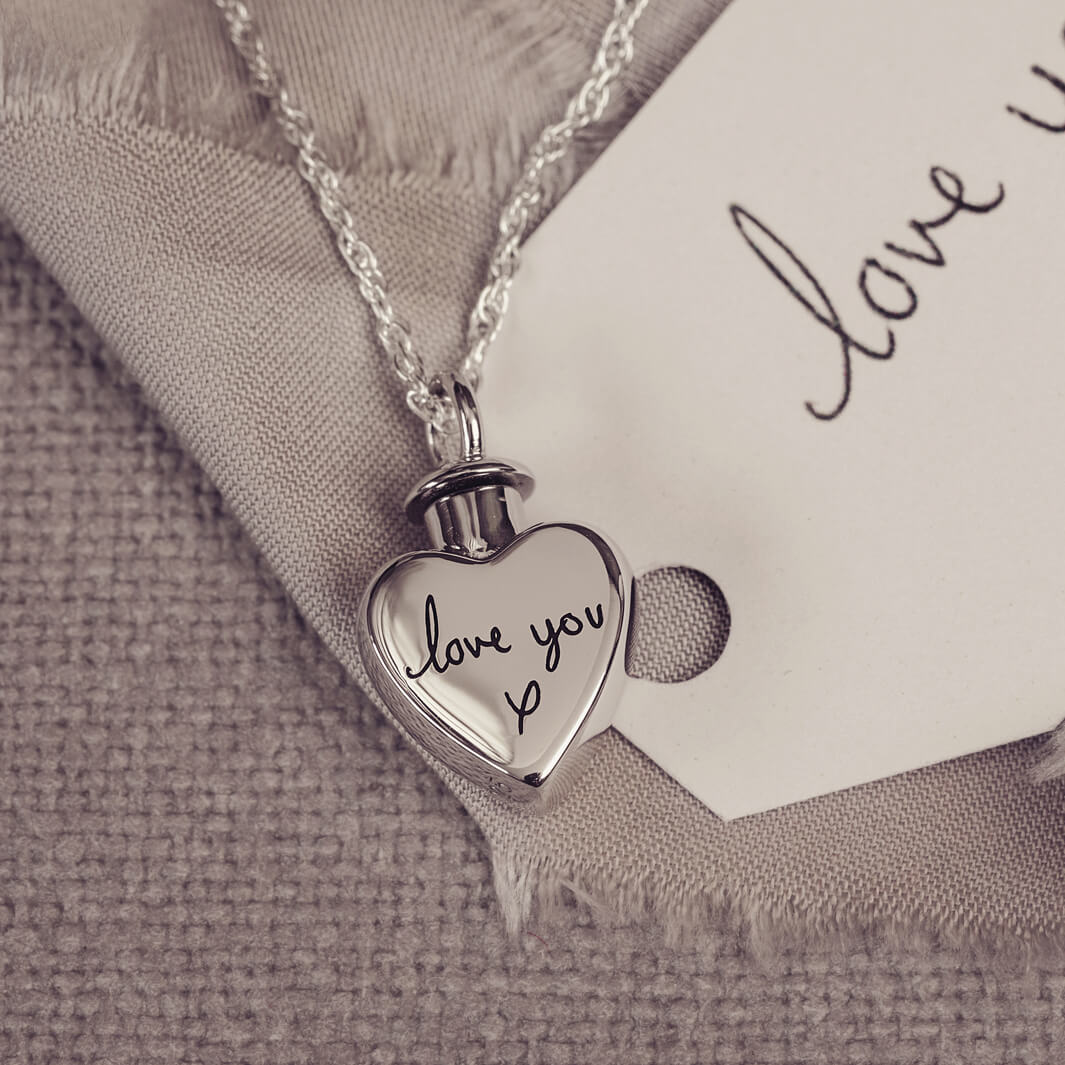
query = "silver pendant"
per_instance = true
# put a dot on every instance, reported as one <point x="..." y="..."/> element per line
<point x="502" y="650"/>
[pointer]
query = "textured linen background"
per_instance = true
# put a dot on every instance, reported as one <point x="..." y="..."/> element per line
<point x="209" y="839"/>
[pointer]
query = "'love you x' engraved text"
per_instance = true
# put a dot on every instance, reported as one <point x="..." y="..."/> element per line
<point x="442" y="655"/>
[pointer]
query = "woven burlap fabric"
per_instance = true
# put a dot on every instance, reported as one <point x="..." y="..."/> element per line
<point x="213" y="849"/>
<point x="161" y="200"/>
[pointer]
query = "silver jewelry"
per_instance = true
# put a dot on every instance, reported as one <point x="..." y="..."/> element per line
<point x="502" y="650"/>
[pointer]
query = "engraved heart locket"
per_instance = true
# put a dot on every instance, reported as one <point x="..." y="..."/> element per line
<point x="502" y="650"/>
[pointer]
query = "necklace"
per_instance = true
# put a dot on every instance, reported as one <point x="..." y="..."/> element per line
<point x="501" y="651"/>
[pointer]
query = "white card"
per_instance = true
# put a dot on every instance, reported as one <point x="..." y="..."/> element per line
<point x="895" y="573"/>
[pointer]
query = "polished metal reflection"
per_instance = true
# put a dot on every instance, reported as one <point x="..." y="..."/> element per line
<point x="476" y="523"/>
<point x="502" y="666"/>
<point x="502" y="651"/>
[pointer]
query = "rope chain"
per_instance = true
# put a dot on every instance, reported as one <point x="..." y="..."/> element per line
<point x="585" y="108"/>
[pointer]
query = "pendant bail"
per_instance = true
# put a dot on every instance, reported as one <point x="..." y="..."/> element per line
<point x="454" y="390"/>
<point x="472" y="506"/>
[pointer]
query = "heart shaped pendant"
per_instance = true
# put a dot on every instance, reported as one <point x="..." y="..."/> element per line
<point x="502" y="650"/>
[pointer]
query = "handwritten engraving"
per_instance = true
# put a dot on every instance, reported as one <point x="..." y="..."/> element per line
<point x="532" y="694"/>
<point x="567" y="625"/>
<point x="441" y="655"/>
<point x="456" y="650"/>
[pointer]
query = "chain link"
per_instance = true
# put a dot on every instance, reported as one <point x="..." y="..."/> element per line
<point x="584" y="108"/>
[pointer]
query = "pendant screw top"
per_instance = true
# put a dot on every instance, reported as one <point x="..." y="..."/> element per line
<point x="471" y="507"/>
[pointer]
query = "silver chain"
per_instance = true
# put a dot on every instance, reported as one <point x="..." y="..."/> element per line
<point x="585" y="108"/>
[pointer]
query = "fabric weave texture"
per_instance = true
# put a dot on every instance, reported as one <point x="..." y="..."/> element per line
<point x="214" y="849"/>
<point x="179" y="747"/>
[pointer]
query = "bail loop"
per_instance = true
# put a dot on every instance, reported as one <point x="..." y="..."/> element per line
<point x="470" y="505"/>
<point x="454" y="390"/>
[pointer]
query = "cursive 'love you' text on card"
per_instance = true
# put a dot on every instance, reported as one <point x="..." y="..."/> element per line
<point x="888" y="287"/>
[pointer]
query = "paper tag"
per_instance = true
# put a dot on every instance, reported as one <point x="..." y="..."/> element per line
<point x="802" y="328"/>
